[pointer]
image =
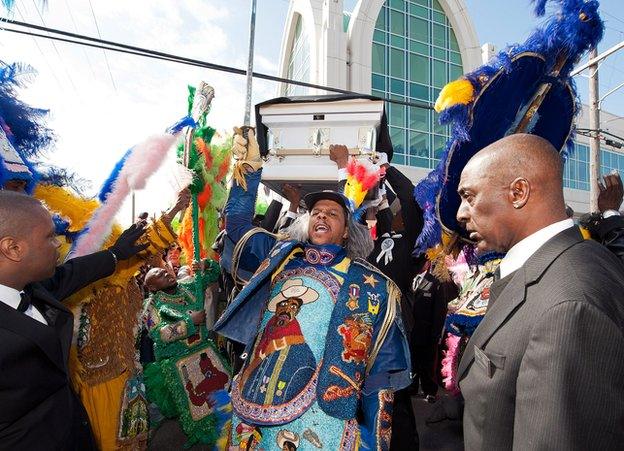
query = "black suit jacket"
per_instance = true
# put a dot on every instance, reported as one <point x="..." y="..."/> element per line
<point x="545" y="367"/>
<point x="38" y="409"/>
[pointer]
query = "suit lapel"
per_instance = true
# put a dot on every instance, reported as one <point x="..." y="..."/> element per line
<point x="511" y="296"/>
<point x="45" y="337"/>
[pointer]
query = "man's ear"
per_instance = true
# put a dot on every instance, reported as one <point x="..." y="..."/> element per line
<point x="519" y="192"/>
<point x="345" y="235"/>
<point x="12" y="248"/>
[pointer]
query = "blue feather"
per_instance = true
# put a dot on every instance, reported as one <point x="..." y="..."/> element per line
<point x="186" y="121"/>
<point x="107" y="187"/>
<point x="565" y="36"/>
<point x="26" y="129"/>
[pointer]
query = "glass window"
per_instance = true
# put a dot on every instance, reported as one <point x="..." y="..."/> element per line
<point x="419" y="68"/>
<point x="436" y="6"/>
<point x="415" y="52"/>
<point x="419" y="91"/>
<point x="419" y="162"/>
<point x="299" y="62"/>
<point x="397" y="22"/>
<point x="419" y="29"/>
<point x="456" y="72"/>
<point x="379" y="82"/>
<point x="380" y="94"/>
<point x="419" y="120"/>
<point x="439" y="35"/>
<point x="437" y="127"/>
<point x="397" y="63"/>
<point x="453" y="40"/>
<point x="439" y="53"/>
<point x="379" y="36"/>
<point x="439" y="74"/>
<point x="419" y="47"/>
<point x="378" y="62"/>
<point x="397" y="86"/>
<point x="583" y="153"/>
<point x="455" y="58"/>
<point x="398" y="4"/>
<point x="419" y="144"/>
<point x="397" y="158"/>
<point x="381" y="20"/>
<point x="583" y="172"/>
<point x="573" y="170"/>
<point x="438" y="17"/>
<point x="397" y="115"/>
<point x="419" y="11"/>
<point x="397" y="136"/>
<point x="397" y="41"/>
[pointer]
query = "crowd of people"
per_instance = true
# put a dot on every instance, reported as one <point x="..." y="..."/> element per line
<point x="314" y="325"/>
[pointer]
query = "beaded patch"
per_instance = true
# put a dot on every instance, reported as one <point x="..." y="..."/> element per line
<point x="349" y="436"/>
<point x="274" y="414"/>
<point x="384" y="421"/>
<point x="357" y="335"/>
<point x="324" y="277"/>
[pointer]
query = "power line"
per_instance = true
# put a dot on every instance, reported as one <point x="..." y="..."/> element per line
<point x="71" y="16"/>
<point x="45" y="59"/>
<point x="611" y="15"/>
<point x="97" y="27"/>
<point x="71" y="80"/>
<point x="89" y="41"/>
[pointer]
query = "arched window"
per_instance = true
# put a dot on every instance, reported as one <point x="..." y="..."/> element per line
<point x="415" y="53"/>
<point x="298" y="61"/>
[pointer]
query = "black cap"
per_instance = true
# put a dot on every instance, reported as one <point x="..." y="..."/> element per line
<point x="312" y="198"/>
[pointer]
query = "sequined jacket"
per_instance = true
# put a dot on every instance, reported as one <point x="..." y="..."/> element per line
<point x="387" y="365"/>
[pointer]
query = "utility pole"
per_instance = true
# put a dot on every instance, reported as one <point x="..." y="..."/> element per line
<point x="133" y="209"/>
<point x="594" y="125"/>
<point x="252" y="33"/>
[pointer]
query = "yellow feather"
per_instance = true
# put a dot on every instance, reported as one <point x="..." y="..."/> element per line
<point x="75" y="209"/>
<point x="455" y="93"/>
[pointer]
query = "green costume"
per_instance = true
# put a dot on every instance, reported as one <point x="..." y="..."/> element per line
<point x="188" y="379"/>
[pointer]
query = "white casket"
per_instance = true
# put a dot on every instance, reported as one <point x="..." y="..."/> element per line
<point x="295" y="133"/>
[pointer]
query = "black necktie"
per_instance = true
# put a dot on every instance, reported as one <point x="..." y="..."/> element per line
<point x="24" y="302"/>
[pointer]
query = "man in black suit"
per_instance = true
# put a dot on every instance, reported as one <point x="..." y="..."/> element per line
<point x="38" y="409"/>
<point x="545" y="367"/>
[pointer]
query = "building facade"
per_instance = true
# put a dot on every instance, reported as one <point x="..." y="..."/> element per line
<point x="406" y="50"/>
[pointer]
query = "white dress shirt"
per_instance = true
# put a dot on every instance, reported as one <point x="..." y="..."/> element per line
<point x="522" y="250"/>
<point x="11" y="297"/>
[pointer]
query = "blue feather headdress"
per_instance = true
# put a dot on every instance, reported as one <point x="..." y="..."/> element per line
<point x="525" y="88"/>
<point x="23" y="134"/>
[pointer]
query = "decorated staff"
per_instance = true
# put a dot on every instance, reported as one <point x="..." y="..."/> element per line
<point x="194" y="158"/>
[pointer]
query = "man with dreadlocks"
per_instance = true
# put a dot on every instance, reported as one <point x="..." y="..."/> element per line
<point x="324" y="343"/>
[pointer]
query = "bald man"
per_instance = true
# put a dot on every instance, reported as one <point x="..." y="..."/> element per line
<point x="545" y="368"/>
<point x="38" y="409"/>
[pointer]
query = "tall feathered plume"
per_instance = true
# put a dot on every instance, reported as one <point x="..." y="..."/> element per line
<point x="130" y="173"/>
<point x="209" y="164"/>
<point x="22" y="126"/>
<point x="483" y="105"/>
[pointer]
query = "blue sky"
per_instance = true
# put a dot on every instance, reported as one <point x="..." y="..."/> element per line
<point x="101" y="104"/>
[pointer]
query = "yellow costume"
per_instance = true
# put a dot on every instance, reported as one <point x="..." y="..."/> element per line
<point x="103" y="360"/>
